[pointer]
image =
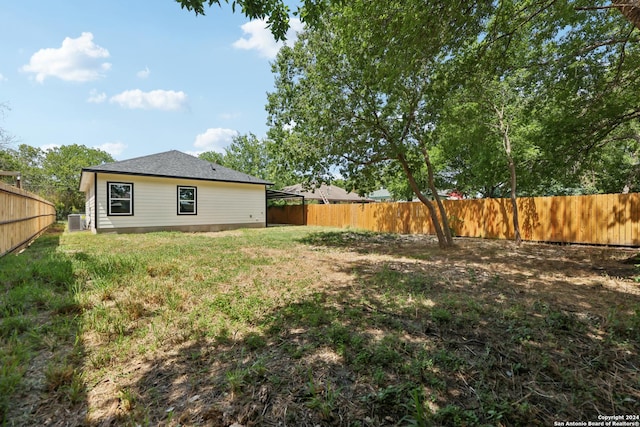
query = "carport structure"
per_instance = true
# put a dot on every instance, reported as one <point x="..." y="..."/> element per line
<point x="284" y="195"/>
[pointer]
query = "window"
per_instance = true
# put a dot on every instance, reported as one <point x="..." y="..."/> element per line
<point x="120" y="198"/>
<point x="187" y="200"/>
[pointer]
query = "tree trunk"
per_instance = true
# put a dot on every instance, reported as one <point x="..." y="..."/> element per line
<point x="630" y="9"/>
<point x="434" y="192"/>
<point x="514" y="201"/>
<point x="443" y="242"/>
<point x="506" y="143"/>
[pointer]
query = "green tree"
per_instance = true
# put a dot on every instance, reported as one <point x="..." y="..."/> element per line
<point x="363" y="93"/>
<point x="61" y="167"/>
<point x="484" y="129"/>
<point x="212" y="157"/>
<point x="583" y="64"/>
<point x="8" y="163"/>
<point x="470" y="147"/>
<point x="614" y="166"/>
<point x="28" y="161"/>
<point x="565" y="76"/>
<point x="368" y="92"/>
<point x="276" y="12"/>
<point x="311" y="10"/>
<point x="250" y="155"/>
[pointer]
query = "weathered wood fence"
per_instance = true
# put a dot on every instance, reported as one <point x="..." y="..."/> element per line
<point x="607" y="219"/>
<point x="23" y="217"/>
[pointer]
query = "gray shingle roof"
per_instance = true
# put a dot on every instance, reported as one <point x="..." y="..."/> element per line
<point x="175" y="164"/>
<point x="331" y="192"/>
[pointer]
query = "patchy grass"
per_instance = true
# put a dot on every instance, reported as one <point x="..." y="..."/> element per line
<point x="40" y="349"/>
<point x="309" y="326"/>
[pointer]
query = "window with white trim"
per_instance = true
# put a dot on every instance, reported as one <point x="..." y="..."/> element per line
<point x="187" y="200"/>
<point x="120" y="198"/>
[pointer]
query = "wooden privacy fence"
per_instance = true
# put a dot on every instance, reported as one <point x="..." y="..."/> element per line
<point x="23" y="217"/>
<point x="607" y="219"/>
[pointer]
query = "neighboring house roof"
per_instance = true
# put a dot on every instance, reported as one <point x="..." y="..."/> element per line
<point x="380" y="195"/>
<point x="174" y="164"/>
<point x="331" y="193"/>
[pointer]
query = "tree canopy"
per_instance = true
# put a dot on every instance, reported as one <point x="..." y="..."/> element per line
<point x="54" y="173"/>
<point x="488" y="90"/>
<point x="362" y="94"/>
<point x="252" y="156"/>
<point x="276" y="12"/>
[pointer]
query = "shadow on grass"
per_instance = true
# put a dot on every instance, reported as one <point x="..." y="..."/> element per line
<point x="405" y="343"/>
<point x="40" y="356"/>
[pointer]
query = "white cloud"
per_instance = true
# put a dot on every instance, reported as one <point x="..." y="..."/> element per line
<point x="167" y="100"/>
<point x="215" y="139"/>
<point x="3" y="78"/>
<point x="260" y="37"/>
<point x="77" y="60"/>
<point x="143" y="74"/>
<point x="96" y="98"/>
<point x="113" y="148"/>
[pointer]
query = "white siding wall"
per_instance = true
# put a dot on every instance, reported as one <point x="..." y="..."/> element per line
<point x="90" y="206"/>
<point x="155" y="203"/>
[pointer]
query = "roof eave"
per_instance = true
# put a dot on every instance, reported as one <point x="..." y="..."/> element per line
<point x="175" y="177"/>
<point x="85" y="181"/>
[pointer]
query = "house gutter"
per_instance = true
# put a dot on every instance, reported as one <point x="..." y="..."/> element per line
<point x="261" y="182"/>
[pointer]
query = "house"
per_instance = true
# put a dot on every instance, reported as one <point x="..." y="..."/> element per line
<point x="326" y="194"/>
<point x="381" y="195"/>
<point x="171" y="191"/>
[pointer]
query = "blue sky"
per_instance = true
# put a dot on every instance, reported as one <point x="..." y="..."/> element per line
<point x="132" y="77"/>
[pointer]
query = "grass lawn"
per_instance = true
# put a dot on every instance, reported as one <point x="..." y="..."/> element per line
<point x="313" y="326"/>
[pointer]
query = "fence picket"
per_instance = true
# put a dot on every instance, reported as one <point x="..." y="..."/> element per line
<point x="608" y="219"/>
<point x="23" y="217"/>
